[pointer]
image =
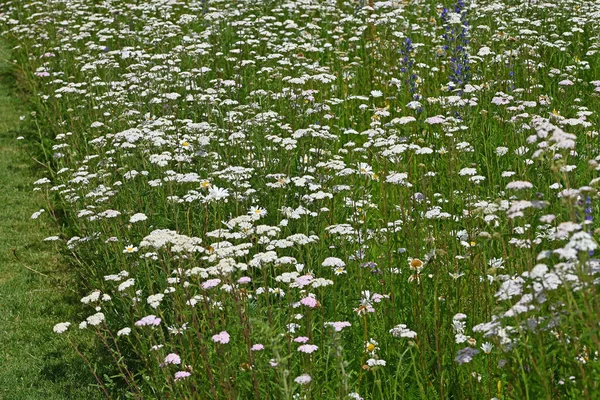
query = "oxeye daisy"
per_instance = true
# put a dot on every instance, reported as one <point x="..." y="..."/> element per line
<point x="365" y="169"/>
<point x="416" y="265"/>
<point x="339" y="271"/>
<point x="371" y="346"/>
<point x="130" y="249"/>
<point x="487" y="347"/>
<point x="257" y="212"/>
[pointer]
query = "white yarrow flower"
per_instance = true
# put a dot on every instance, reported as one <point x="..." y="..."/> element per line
<point x="124" y="332"/>
<point x="137" y="217"/>
<point x="95" y="319"/>
<point x="61" y="327"/>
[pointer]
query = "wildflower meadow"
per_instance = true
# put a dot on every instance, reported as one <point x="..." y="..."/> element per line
<point x="321" y="199"/>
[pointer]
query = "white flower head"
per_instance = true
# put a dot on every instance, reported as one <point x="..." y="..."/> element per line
<point x="401" y="331"/>
<point x="137" y="217"/>
<point x="61" y="327"/>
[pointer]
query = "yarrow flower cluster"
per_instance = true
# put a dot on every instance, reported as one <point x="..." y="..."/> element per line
<point x="222" y="337"/>
<point x="150" y="320"/>
<point x="401" y="331"/>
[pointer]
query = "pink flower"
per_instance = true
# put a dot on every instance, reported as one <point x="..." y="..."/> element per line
<point x="222" y="338"/>
<point x="301" y="339"/>
<point x="437" y="119"/>
<point x="377" y="297"/>
<point x="181" y="375"/>
<point x="148" y="320"/>
<point x="211" y="283"/>
<point x="244" y="279"/>
<point x="303" y="379"/>
<point x="303" y="280"/>
<point x="172" y="359"/>
<point x="308" y="348"/>
<point x="338" y="325"/>
<point x="257" y="347"/>
<point x="309" y="302"/>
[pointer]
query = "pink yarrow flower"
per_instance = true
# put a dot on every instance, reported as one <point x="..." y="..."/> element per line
<point x="181" y="375"/>
<point x="222" y="338"/>
<point x="211" y="283"/>
<point x="301" y="339"/>
<point x="309" y="302"/>
<point x="303" y="280"/>
<point x="149" y="320"/>
<point x="303" y="379"/>
<point x="172" y="359"/>
<point x="338" y="325"/>
<point x="257" y="347"/>
<point x="377" y="297"/>
<point x="308" y="348"/>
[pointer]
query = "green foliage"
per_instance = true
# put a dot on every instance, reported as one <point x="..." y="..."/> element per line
<point x="35" y="288"/>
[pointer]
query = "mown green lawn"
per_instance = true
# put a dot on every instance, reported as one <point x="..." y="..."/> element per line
<point x="35" y="363"/>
